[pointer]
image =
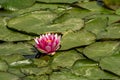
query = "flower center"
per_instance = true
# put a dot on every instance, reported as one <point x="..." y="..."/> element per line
<point x="49" y="41"/>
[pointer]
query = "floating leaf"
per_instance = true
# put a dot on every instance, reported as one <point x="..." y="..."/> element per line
<point x="8" y="35"/>
<point x="90" y="70"/>
<point x="16" y="4"/>
<point x="16" y="71"/>
<point x="111" y="64"/>
<point x="111" y="32"/>
<point x="65" y="75"/>
<point x="65" y="59"/>
<point x="96" y="25"/>
<point x="20" y="48"/>
<point x="75" y="39"/>
<point x="112" y="4"/>
<point x="12" y="58"/>
<point x="3" y="66"/>
<point x="8" y="76"/>
<point x="99" y="50"/>
<point x="58" y="1"/>
<point x="31" y="77"/>
<point x="36" y="71"/>
<point x="42" y="22"/>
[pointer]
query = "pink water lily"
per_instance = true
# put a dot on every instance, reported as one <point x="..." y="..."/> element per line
<point x="48" y="43"/>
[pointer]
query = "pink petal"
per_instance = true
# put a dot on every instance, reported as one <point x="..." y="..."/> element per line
<point x="48" y="48"/>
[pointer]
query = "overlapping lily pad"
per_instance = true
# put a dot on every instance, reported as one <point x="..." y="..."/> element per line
<point x="58" y="1"/>
<point x="96" y="26"/>
<point x="8" y="76"/>
<point x="20" y="48"/>
<point x="99" y="50"/>
<point x="90" y="45"/>
<point x="75" y="39"/>
<point x="90" y="69"/>
<point x="111" y="64"/>
<point x="112" y="4"/>
<point x="65" y="59"/>
<point x="36" y="71"/>
<point x="65" y="75"/>
<point x="42" y="77"/>
<point x="16" y="4"/>
<point x="8" y="35"/>
<point x="3" y="66"/>
<point x="41" y="22"/>
<point x="111" y="32"/>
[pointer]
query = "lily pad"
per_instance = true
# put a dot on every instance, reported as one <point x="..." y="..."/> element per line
<point x="20" y="48"/>
<point x="112" y="4"/>
<point x="90" y="70"/>
<point x="21" y="63"/>
<point x="43" y="24"/>
<point x="111" y="64"/>
<point x="58" y="8"/>
<point x="99" y="50"/>
<point x="36" y="71"/>
<point x="96" y="26"/>
<point x="58" y="1"/>
<point x="31" y="77"/>
<point x="8" y="76"/>
<point x="75" y="39"/>
<point x="93" y="6"/>
<point x="12" y="58"/>
<point x="16" y="4"/>
<point x="16" y="71"/>
<point x="111" y="32"/>
<point x="65" y="75"/>
<point x="112" y="18"/>
<point x="8" y="35"/>
<point x="65" y="59"/>
<point x="40" y="62"/>
<point x="3" y="66"/>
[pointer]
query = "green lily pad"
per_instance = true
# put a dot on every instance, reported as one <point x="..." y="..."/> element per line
<point x="42" y="77"/>
<point x="58" y="8"/>
<point x="20" y="48"/>
<point x="65" y="75"/>
<point x="99" y="50"/>
<point x="40" y="62"/>
<point x="90" y="70"/>
<point x="3" y="66"/>
<point x="93" y="6"/>
<point x="75" y="39"/>
<point x="36" y="71"/>
<point x="96" y="25"/>
<point x="12" y="58"/>
<point x="112" y="4"/>
<point x="16" y="4"/>
<point x="58" y="1"/>
<point x="16" y="71"/>
<point x="8" y="35"/>
<point x="111" y="32"/>
<point x="8" y="76"/>
<point x="74" y="12"/>
<point x="21" y="63"/>
<point x="117" y="11"/>
<point x="112" y="18"/>
<point x="79" y="49"/>
<point x="41" y="21"/>
<point x="65" y="59"/>
<point x="111" y="64"/>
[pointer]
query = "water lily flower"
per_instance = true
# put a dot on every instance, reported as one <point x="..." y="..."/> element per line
<point x="48" y="43"/>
